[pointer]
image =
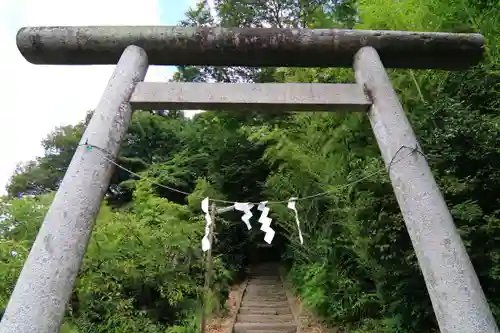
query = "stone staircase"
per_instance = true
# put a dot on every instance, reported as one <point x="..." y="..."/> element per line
<point x="264" y="305"/>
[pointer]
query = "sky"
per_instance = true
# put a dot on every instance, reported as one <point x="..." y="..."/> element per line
<point x="35" y="99"/>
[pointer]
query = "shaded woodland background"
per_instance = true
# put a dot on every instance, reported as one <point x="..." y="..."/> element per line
<point x="143" y="271"/>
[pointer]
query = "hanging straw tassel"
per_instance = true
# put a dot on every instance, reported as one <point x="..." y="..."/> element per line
<point x="266" y="222"/>
<point x="205" y="242"/>
<point x="291" y="205"/>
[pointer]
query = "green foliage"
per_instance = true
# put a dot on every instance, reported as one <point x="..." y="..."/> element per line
<point x="189" y="325"/>
<point x="45" y="173"/>
<point x="143" y="269"/>
<point x="151" y="139"/>
<point x="359" y="269"/>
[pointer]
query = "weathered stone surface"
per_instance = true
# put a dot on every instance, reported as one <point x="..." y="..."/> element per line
<point x="265" y="311"/>
<point x="274" y="327"/>
<point x="261" y="312"/>
<point x="45" y="284"/>
<point x="454" y="288"/>
<point x="273" y="97"/>
<point x="258" y="47"/>
<point x="261" y="318"/>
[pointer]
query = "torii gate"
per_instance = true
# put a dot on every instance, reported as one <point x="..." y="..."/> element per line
<point x="39" y="300"/>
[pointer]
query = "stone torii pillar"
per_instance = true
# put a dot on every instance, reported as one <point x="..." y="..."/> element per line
<point x="44" y="286"/>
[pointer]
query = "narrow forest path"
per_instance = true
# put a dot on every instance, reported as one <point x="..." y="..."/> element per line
<point x="265" y="307"/>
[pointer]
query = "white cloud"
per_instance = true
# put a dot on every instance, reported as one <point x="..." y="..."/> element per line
<point x="34" y="99"/>
<point x="193" y="3"/>
<point x="211" y="5"/>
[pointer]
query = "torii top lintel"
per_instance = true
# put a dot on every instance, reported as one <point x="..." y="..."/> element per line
<point x="253" y="47"/>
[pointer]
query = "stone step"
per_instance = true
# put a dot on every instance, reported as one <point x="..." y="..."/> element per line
<point x="265" y="311"/>
<point x="264" y="306"/>
<point x="259" y="304"/>
<point x="259" y="318"/>
<point x="275" y="289"/>
<point x="264" y="299"/>
<point x="260" y="331"/>
<point x="263" y="302"/>
<point x="275" y="327"/>
<point x="264" y="287"/>
<point x="264" y="294"/>
<point x="265" y="284"/>
<point x="265" y="291"/>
